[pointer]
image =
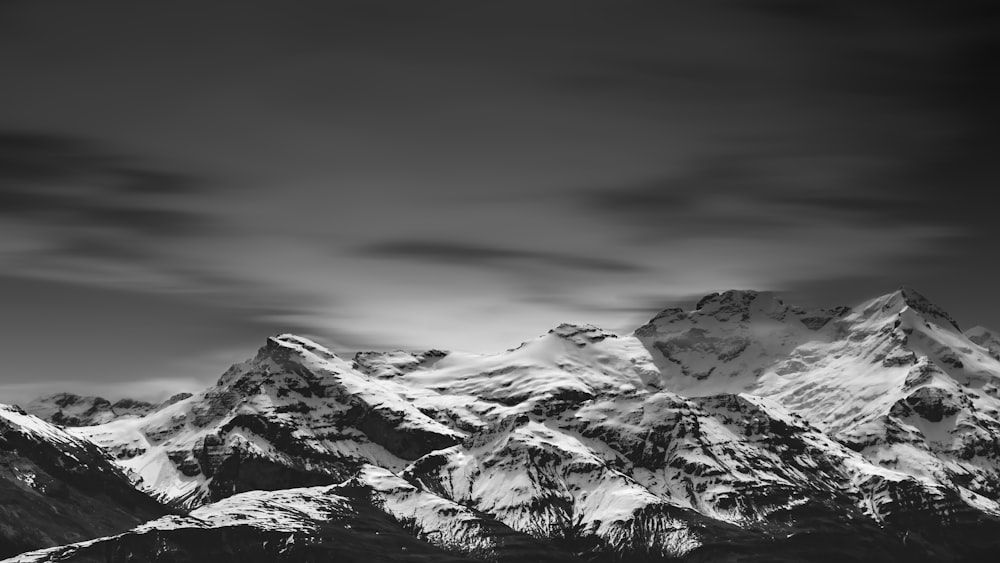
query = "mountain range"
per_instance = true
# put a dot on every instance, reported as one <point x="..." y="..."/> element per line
<point x="745" y="429"/>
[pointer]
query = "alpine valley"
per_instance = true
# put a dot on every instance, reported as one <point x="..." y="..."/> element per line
<point x="746" y="429"/>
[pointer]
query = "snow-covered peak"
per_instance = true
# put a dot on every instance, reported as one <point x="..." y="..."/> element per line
<point x="743" y="304"/>
<point x="288" y="354"/>
<point x="740" y="308"/>
<point x="729" y="340"/>
<point x="906" y="300"/>
<point x="568" y="364"/>
<point x="296" y="409"/>
<point x="840" y="368"/>
<point x="298" y="344"/>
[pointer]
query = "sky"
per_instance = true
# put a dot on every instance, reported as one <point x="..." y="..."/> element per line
<point x="180" y="180"/>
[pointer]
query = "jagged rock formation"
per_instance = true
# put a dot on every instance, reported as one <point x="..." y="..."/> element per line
<point x="745" y="428"/>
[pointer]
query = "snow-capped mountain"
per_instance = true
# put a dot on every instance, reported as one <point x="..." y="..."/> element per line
<point x="56" y="488"/>
<point x="893" y="378"/>
<point x="295" y="415"/>
<point x="744" y="428"/>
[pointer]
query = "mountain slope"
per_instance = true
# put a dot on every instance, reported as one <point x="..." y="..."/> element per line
<point x="56" y="488"/>
<point x="986" y="338"/>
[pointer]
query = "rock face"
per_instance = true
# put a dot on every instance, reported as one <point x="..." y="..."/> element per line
<point x="56" y="488"/>
<point x="745" y="429"/>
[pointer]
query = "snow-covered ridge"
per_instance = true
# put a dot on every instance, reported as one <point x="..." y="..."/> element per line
<point x="30" y="425"/>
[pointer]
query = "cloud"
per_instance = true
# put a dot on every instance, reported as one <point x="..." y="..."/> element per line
<point x="847" y="114"/>
<point x="766" y="195"/>
<point x="472" y="255"/>
<point x="67" y="182"/>
<point x="77" y="213"/>
<point x="776" y="220"/>
<point x="81" y="212"/>
<point x="103" y="340"/>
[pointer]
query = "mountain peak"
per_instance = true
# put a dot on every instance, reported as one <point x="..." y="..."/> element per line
<point x="297" y="343"/>
<point x="742" y="303"/>
<point x="732" y="305"/>
<point x="729" y="296"/>
<point x="905" y="297"/>
<point x="290" y="353"/>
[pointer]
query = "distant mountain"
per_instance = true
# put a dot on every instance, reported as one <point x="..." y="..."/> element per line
<point x="745" y="429"/>
<point x="68" y="409"/>
<point x="56" y="488"/>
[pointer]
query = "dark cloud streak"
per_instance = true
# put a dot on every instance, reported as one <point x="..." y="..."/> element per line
<point x="67" y="182"/>
<point x="493" y="257"/>
<point x="88" y="215"/>
<point x="849" y="114"/>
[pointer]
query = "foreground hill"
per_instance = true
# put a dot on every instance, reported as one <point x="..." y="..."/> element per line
<point x="745" y="429"/>
<point x="56" y="488"/>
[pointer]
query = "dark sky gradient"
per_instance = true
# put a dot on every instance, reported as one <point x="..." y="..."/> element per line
<point x="179" y="180"/>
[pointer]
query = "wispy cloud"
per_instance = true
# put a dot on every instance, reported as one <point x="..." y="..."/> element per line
<point x="762" y="195"/>
<point x="107" y="235"/>
<point x="70" y="201"/>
